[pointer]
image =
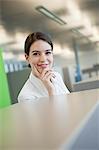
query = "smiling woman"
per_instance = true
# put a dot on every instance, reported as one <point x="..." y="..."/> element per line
<point x="43" y="80"/>
<point x="40" y="55"/>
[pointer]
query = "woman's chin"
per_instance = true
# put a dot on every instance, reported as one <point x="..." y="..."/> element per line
<point x="40" y="70"/>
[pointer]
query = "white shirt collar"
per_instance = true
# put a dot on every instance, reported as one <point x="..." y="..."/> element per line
<point x="37" y="82"/>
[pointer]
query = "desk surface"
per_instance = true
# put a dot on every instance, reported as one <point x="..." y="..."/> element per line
<point x="45" y="124"/>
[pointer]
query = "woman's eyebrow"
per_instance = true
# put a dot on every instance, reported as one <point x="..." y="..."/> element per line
<point x="48" y="50"/>
<point x="35" y="51"/>
<point x="40" y="51"/>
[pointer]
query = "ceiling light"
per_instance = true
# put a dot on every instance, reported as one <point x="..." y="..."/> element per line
<point x="75" y="31"/>
<point x="50" y="15"/>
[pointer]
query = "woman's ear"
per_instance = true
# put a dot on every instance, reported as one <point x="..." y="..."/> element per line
<point x="26" y="56"/>
<point x="27" y="59"/>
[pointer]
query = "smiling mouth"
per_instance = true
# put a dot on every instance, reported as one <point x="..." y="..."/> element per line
<point x="43" y="65"/>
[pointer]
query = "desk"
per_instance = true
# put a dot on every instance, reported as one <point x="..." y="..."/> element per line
<point x="48" y="123"/>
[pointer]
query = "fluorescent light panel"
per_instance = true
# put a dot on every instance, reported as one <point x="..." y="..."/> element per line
<point x="50" y="15"/>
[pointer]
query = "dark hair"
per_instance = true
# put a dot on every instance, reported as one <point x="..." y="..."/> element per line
<point x="34" y="37"/>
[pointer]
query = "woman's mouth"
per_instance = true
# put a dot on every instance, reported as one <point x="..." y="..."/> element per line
<point x="42" y="65"/>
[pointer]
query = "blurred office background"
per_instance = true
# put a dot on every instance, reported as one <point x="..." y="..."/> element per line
<point x="74" y="28"/>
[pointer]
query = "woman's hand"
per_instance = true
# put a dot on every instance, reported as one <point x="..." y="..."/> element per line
<point x="47" y="76"/>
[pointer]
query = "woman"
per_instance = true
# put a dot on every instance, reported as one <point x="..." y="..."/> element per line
<point x="43" y="80"/>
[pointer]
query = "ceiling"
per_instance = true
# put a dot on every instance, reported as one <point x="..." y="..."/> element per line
<point x="19" y="18"/>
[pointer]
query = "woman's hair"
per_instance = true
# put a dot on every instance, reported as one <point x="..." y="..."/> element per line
<point x="35" y="37"/>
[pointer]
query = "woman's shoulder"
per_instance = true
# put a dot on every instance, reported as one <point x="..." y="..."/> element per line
<point x="26" y="93"/>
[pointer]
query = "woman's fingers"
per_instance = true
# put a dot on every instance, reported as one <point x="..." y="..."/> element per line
<point x="44" y="72"/>
<point x="48" y="75"/>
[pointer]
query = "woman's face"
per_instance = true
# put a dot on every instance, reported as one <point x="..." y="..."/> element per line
<point x="40" y="56"/>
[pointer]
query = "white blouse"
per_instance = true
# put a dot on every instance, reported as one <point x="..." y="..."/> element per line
<point x="34" y="88"/>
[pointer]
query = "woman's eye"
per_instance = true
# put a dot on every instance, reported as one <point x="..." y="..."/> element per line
<point x="35" y="54"/>
<point x="47" y="53"/>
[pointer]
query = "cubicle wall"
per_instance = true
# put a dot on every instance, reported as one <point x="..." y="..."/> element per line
<point x="68" y="77"/>
<point x="92" y="83"/>
<point x="15" y="81"/>
<point x="85" y="84"/>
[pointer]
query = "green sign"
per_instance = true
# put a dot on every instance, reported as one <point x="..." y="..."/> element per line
<point x="4" y="90"/>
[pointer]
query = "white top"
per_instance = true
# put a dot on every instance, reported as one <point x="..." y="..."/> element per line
<point x="34" y="88"/>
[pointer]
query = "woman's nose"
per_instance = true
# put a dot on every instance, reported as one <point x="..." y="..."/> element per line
<point x="43" y="57"/>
